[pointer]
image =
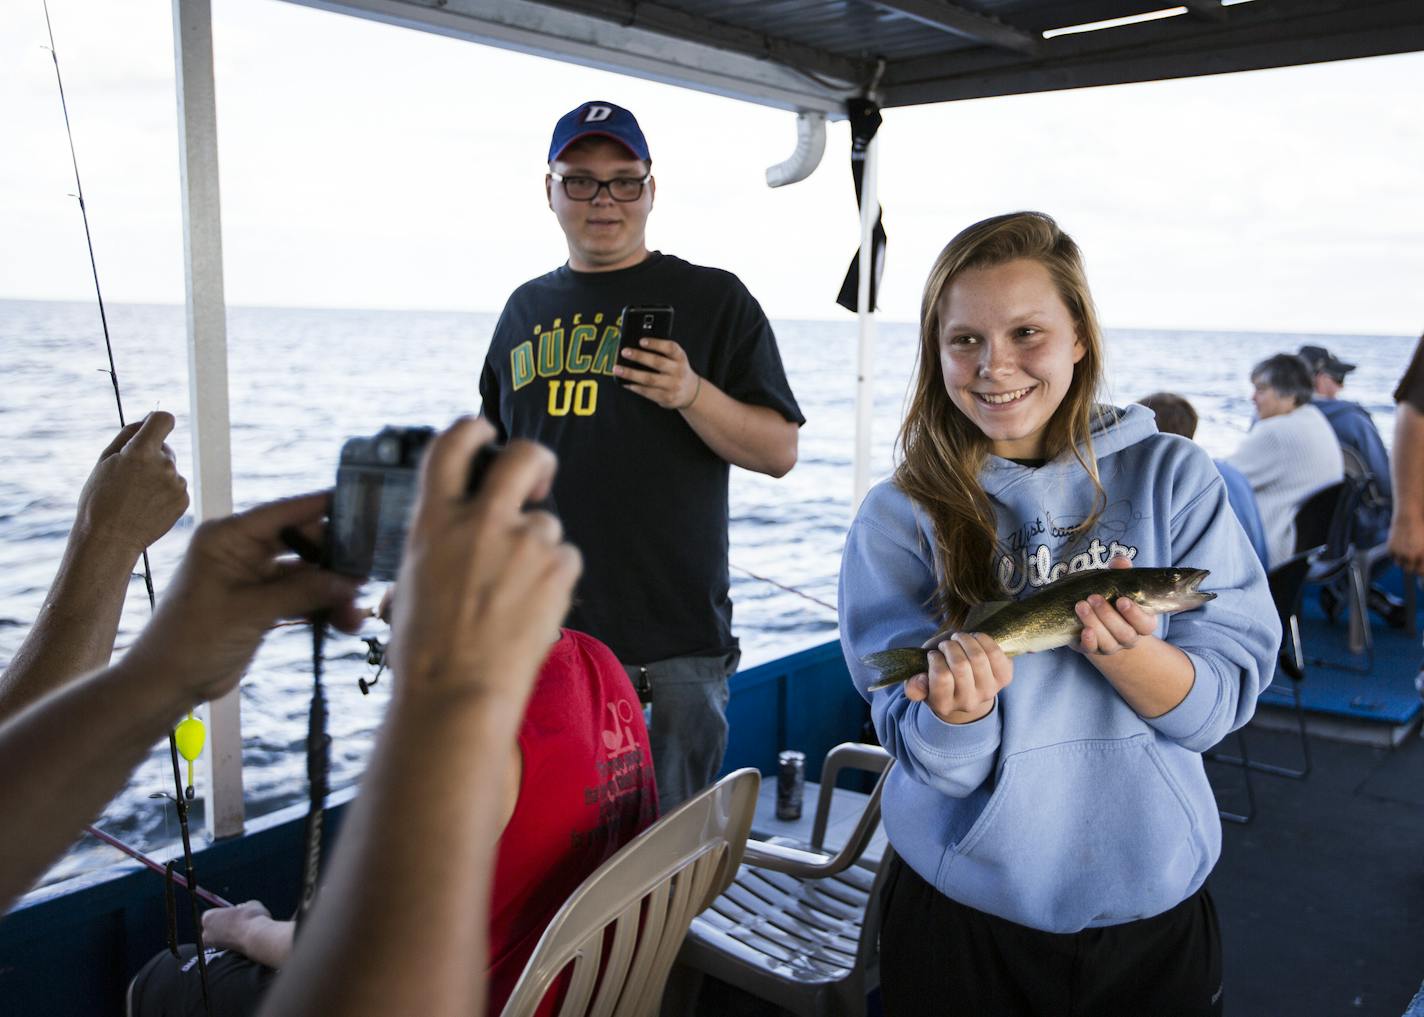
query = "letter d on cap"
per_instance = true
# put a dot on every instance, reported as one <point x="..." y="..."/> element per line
<point x="597" y="114"/>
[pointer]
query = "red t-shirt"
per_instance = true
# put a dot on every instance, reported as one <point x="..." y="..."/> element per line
<point x="586" y="790"/>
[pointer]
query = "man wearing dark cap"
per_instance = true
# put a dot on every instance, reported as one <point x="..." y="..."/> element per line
<point x="1357" y="433"/>
<point x="644" y="436"/>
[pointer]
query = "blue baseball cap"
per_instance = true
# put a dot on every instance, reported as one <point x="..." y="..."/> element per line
<point x="1322" y="361"/>
<point x="599" y="119"/>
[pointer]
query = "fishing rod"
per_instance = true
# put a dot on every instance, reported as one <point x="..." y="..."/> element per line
<point x="180" y="798"/>
<point x="157" y="867"/>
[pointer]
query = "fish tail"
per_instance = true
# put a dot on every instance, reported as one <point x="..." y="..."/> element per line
<point x="895" y="666"/>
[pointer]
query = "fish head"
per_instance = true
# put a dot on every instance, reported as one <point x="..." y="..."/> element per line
<point x="1167" y="591"/>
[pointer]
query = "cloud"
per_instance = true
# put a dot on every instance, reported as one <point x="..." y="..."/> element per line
<point x="366" y="165"/>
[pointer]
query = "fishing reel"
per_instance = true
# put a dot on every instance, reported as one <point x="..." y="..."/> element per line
<point x="376" y="657"/>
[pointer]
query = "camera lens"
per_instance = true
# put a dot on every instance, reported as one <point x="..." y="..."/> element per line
<point x="388" y="450"/>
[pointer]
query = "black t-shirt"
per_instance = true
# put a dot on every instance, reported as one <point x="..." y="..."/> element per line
<point x="638" y="491"/>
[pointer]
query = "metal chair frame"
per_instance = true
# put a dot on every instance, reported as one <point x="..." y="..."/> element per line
<point x="1244" y="761"/>
<point x="1287" y="581"/>
<point x="1326" y="522"/>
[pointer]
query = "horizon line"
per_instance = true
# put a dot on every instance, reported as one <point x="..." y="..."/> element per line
<point x="847" y="319"/>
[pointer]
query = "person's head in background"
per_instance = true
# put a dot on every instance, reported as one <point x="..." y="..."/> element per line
<point x="1328" y="370"/>
<point x="1174" y="414"/>
<point x="1280" y="384"/>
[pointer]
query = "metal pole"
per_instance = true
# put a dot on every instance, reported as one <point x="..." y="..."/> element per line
<point x="865" y="354"/>
<point x="207" y="360"/>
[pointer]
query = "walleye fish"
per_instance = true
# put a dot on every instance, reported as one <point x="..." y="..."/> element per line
<point x="1046" y="620"/>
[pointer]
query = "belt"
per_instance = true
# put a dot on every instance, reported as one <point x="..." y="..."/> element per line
<point x="642" y="683"/>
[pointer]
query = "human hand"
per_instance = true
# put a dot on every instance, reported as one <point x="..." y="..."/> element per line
<point x="966" y="672"/>
<point x="1406" y="542"/>
<point x="234" y="582"/>
<point x="665" y="376"/>
<point x="229" y="928"/>
<point x="484" y="582"/>
<point x="1111" y="628"/>
<point x="384" y="608"/>
<point x="135" y="493"/>
<point x="250" y="929"/>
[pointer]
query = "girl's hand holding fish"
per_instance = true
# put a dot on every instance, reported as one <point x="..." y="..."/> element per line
<point x="966" y="672"/>
<point x="1152" y="680"/>
<point x="1110" y="627"/>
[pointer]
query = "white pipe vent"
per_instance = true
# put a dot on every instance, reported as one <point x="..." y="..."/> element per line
<point x="810" y="146"/>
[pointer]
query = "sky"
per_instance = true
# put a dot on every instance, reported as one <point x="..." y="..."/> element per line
<point x="364" y="165"/>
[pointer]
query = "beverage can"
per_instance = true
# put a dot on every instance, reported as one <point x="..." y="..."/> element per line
<point x="790" y="783"/>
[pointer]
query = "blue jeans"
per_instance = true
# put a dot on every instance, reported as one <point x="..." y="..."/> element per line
<point x="688" y="728"/>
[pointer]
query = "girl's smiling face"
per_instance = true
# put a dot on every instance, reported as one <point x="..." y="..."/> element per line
<point x="1007" y="347"/>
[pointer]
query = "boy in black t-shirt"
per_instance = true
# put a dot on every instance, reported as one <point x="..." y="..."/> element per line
<point x="644" y="465"/>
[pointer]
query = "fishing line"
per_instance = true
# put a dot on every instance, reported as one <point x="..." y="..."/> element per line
<point x="789" y="589"/>
<point x="180" y="798"/>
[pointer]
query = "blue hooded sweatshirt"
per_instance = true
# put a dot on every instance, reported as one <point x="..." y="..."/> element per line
<point x="1063" y="808"/>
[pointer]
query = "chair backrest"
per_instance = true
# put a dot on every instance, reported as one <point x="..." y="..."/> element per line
<point x="1372" y="502"/>
<point x="1324" y="519"/>
<point x="644" y="898"/>
<point x="1287" y="584"/>
<point x="1355" y="465"/>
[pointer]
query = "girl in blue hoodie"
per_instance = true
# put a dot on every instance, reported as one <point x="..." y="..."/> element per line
<point x="1050" y="814"/>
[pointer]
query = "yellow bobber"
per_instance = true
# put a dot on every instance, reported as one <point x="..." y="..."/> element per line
<point x="189" y="736"/>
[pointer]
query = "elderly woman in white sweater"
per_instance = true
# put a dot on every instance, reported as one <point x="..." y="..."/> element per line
<point x="1290" y="453"/>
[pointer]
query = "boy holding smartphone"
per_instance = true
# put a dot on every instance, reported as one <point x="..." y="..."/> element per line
<point x="645" y="435"/>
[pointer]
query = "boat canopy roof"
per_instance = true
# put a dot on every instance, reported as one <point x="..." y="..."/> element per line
<point x="812" y="55"/>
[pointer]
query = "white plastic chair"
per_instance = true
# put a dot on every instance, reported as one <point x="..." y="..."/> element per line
<point x="644" y="898"/>
<point x="800" y="928"/>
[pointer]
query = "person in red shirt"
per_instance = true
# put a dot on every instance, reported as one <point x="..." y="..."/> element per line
<point x="585" y="789"/>
<point x="581" y="786"/>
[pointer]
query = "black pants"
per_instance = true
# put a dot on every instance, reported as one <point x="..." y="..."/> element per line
<point x="938" y="957"/>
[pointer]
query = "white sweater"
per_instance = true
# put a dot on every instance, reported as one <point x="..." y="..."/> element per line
<point x="1287" y="458"/>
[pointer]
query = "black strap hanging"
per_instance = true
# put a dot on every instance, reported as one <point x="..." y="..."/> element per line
<point x="170" y="909"/>
<point x="865" y="120"/>
<point x="318" y="768"/>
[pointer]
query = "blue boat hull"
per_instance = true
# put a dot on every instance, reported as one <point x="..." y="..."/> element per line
<point x="71" y="948"/>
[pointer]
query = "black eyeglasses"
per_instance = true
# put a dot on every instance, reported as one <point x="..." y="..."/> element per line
<point x="582" y="188"/>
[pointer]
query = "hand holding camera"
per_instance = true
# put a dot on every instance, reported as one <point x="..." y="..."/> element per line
<point x="485" y="580"/>
<point x="231" y="587"/>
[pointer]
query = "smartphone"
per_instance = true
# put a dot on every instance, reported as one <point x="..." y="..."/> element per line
<point x="640" y="321"/>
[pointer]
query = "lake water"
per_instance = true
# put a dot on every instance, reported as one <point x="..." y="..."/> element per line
<point x="303" y="380"/>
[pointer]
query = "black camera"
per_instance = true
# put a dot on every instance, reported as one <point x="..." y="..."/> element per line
<point x="376" y="487"/>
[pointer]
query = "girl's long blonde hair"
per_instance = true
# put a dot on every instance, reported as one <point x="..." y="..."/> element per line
<point x="942" y="452"/>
